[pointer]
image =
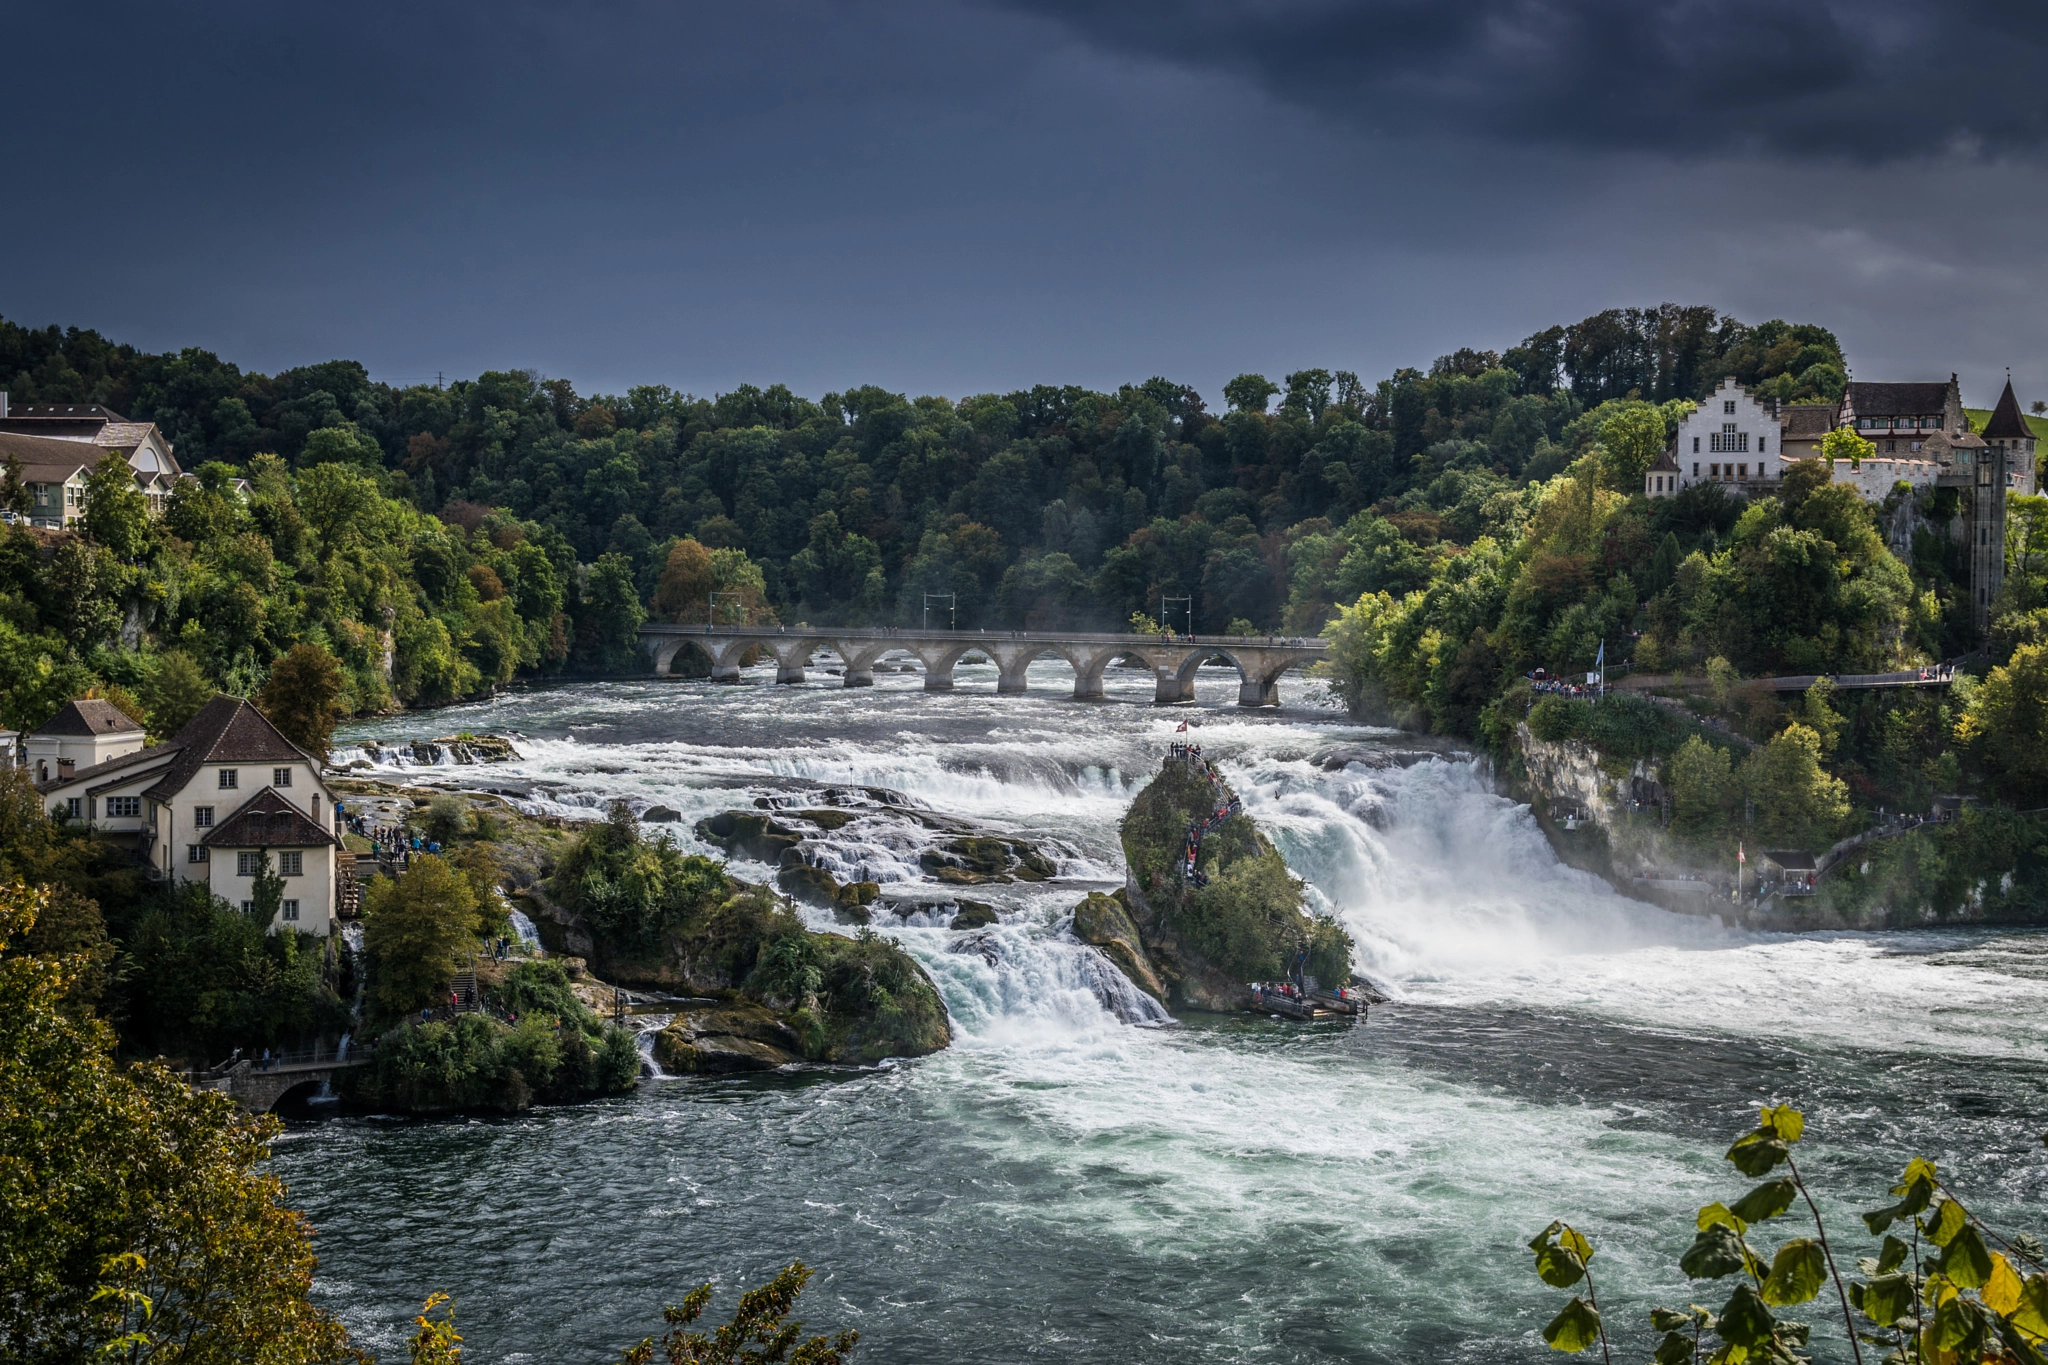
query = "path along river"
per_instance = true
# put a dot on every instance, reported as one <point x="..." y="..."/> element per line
<point x="1063" y="1186"/>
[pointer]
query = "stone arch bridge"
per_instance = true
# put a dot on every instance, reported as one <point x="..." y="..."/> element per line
<point x="1259" y="660"/>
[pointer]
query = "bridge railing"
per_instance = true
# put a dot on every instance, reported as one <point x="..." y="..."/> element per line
<point x="1308" y="642"/>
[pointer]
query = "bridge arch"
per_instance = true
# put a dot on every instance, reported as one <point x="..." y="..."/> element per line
<point x="1089" y="668"/>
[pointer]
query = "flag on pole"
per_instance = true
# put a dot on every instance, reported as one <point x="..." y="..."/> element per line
<point x="1180" y="728"/>
<point x="1740" y="856"/>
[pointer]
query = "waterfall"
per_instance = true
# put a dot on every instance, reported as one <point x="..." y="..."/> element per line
<point x="524" y="929"/>
<point x="648" y="1026"/>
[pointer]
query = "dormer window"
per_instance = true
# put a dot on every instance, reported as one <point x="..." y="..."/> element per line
<point x="230" y="778"/>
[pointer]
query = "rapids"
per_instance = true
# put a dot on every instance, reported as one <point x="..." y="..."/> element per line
<point x="1075" y="1179"/>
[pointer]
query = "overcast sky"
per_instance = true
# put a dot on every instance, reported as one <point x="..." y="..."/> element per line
<point x="961" y="197"/>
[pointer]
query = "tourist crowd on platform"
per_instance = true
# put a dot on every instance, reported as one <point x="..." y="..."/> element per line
<point x="391" y="843"/>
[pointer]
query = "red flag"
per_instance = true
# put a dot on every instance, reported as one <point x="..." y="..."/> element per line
<point x="1740" y="856"/>
<point x="1180" y="727"/>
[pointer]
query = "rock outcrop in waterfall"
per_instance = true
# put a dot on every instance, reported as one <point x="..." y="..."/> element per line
<point x="1208" y="904"/>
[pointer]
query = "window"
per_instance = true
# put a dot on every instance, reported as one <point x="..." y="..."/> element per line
<point x="195" y="853"/>
<point x="119" y="807"/>
<point x="290" y="909"/>
<point x="230" y="778"/>
<point x="1729" y="441"/>
<point x="1761" y="443"/>
<point x="71" y="807"/>
<point x="248" y="864"/>
<point x="1695" y="445"/>
<point x="1695" y="469"/>
<point x="248" y="907"/>
<point x="202" y="817"/>
<point x="1713" y="471"/>
<point x="291" y="863"/>
<point x="280" y="777"/>
<point x="1728" y="407"/>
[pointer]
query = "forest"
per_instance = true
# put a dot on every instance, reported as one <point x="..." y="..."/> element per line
<point x="442" y="540"/>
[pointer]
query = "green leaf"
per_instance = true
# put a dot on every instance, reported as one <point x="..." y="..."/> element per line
<point x="1918" y="1169"/>
<point x="1721" y="1214"/>
<point x="1967" y="1261"/>
<point x="1885" y="1299"/>
<point x="1571" y="1240"/>
<point x="1960" y="1326"/>
<point x="1543" y="1238"/>
<point x="1788" y="1123"/>
<point x="1948" y="1220"/>
<point x="1574" y="1329"/>
<point x="1745" y="1321"/>
<point x="1558" y="1268"/>
<point x="1796" y="1273"/>
<point x="1892" y="1256"/>
<point x="2031" y="1316"/>
<point x="2027" y="1352"/>
<point x="1715" y="1252"/>
<point x="1757" y="1153"/>
<point x="1767" y="1200"/>
<point x="1669" y="1319"/>
<point x="1675" y="1349"/>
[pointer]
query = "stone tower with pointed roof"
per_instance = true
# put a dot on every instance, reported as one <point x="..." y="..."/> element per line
<point x="224" y="797"/>
<point x="2008" y="430"/>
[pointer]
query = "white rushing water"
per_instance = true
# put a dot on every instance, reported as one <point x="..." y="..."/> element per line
<point x="1255" y="1191"/>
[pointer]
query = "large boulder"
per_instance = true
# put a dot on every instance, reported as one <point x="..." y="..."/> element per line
<point x="744" y="834"/>
<point x="1105" y="922"/>
<point x="1241" y="919"/>
<point x="729" y="1037"/>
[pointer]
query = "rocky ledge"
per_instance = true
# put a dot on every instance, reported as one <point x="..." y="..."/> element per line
<point x="787" y="836"/>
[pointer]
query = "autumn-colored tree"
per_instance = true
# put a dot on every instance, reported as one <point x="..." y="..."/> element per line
<point x="134" y="1223"/>
<point x="303" y="697"/>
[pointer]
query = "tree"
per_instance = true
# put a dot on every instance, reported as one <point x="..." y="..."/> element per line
<point x="614" y="612"/>
<point x="1701" y="783"/>
<point x="414" y="926"/>
<point x="2005" y="727"/>
<point x="1249" y="393"/>
<point x="302" y="697"/>
<point x="336" y="500"/>
<point x="134" y="1222"/>
<point x="1632" y="439"/>
<point x="116" y="514"/>
<point x="760" y="1332"/>
<point x="175" y="694"/>
<point x="684" y="594"/>
<point x="1796" y="801"/>
<point x="1844" y="444"/>
<point x="345" y="444"/>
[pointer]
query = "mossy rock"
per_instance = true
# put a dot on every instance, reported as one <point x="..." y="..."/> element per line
<point x="851" y="904"/>
<point x="827" y="820"/>
<point x="1104" y="922"/>
<point x="811" y="885"/>
<point x="745" y="834"/>
<point x="972" y="860"/>
<point x="735" y="1037"/>
<point x="974" y="915"/>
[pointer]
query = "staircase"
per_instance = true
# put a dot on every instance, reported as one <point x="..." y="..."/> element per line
<point x="469" y="999"/>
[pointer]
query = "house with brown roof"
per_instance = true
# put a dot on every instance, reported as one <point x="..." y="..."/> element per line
<point x="222" y="798"/>
<point x="1899" y="418"/>
<point x="1802" y="427"/>
<point x="83" y="734"/>
<point x="145" y="448"/>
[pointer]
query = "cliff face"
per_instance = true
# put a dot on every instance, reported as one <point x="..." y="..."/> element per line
<point x="1195" y="942"/>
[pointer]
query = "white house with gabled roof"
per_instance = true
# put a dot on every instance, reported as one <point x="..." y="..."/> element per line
<point x="221" y="796"/>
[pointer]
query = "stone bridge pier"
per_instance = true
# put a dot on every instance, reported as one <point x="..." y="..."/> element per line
<point x="258" y="1089"/>
<point x="1173" y="662"/>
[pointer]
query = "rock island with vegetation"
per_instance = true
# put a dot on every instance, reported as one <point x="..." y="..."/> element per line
<point x="1197" y="943"/>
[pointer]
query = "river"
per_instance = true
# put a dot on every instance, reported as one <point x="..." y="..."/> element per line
<point x="1061" y="1185"/>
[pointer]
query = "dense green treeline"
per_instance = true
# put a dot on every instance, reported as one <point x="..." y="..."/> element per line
<point x="438" y="540"/>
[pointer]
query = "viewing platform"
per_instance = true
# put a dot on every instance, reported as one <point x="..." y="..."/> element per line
<point x="1259" y="660"/>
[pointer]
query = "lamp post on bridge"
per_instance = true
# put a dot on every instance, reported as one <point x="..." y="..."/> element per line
<point x="952" y="609"/>
<point x="738" y="602"/>
<point x="1187" y="606"/>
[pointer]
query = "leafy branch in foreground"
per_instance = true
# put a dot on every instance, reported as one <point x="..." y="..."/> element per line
<point x="1961" y="1303"/>
<point x="760" y="1332"/>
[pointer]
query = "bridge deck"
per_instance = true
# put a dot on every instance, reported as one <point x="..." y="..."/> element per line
<point x="1259" y="660"/>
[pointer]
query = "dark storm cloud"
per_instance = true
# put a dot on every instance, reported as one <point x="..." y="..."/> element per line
<point x="1868" y="80"/>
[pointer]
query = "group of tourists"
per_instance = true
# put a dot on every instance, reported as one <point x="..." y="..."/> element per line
<point x="1191" y="850"/>
<point x="392" y="843"/>
<point x="1558" y="687"/>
